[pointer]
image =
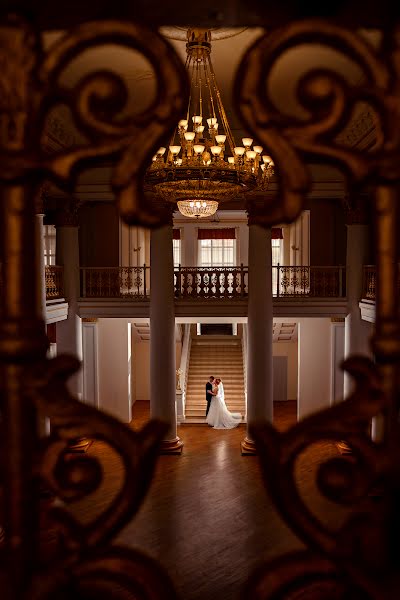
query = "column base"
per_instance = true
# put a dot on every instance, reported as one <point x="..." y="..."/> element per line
<point x="248" y="447"/>
<point x="171" y="446"/>
<point x="343" y="447"/>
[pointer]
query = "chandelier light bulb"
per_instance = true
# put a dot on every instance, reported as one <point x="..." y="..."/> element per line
<point x="231" y="160"/>
<point x="267" y="159"/>
<point x="220" y="139"/>
<point x="212" y="122"/>
<point x="179" y="162"/>
<point x="239" y="150"/>
<point x="183" y="124"/>
<point x="175" y="150"/>
<point x="197" y="119"/>
<point x="251" y="154"/>
<point x="189" y="136"/>
<point x="198" y="148"/>
<point x="258" y="149"/>
<point x="247" y="142"/>
<point x="216" y="150"/>
<point x="161" y="151"/>
<point x="200" y="129"/>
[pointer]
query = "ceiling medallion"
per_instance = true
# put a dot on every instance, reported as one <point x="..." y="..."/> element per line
<point x="203" y="166"/>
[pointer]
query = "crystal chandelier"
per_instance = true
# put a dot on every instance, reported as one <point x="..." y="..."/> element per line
<point x="203" y="166"/>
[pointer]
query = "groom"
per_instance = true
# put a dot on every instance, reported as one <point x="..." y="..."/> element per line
<point x="209" y="393"/>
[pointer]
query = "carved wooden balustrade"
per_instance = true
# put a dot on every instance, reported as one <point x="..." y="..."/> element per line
<point x="54" y="281"/>
<point x="211" y="282"/>
<point x="313" y="282"/>
<point x="130" y="283"/>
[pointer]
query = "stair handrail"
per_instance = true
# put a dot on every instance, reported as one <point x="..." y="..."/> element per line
<point x="244" y="354"/>
<point x="185" y="359"/>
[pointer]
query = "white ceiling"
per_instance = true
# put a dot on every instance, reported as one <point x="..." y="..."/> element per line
<point x="226" y="55"/>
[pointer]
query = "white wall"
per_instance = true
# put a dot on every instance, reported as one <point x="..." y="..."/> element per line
<point x="288" y="349"/>
<point x="114" y="360"/>
<point x="314" y="356"/>
<point x="141" y="368"/>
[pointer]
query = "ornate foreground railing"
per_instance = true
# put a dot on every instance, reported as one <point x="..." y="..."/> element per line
<point x="115" y="282"/>
<point x="211" y="282"/>
<point x="316" y="282"/>
<point x="54" y="281"/>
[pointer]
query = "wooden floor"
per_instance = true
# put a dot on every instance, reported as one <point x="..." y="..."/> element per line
<point x="207" y="517"/>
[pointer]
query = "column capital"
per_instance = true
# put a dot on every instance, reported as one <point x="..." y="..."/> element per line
<point x="40" y="199"/>
<point x="161" y="207"/>
<point x="255" y="209"/>
<point x="67" y="213"/>
<point x="356" y="209"/>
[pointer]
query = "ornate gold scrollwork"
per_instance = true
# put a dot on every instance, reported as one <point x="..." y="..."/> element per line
<point x="328" y="100"/>
<point x="358" y="560"/>
<point x="30" y="86"/>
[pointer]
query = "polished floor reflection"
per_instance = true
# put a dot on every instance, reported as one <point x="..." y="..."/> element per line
<point x="207" y="517"/>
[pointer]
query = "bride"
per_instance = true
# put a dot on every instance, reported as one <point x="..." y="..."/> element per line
<point x="219" y="416"/>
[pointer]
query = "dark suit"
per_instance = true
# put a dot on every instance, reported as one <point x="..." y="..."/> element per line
<point x="209" y="395"/>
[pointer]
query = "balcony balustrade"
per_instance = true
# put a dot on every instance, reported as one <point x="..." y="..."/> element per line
<point x="369" y="278"/>
<point x="306" y="281"/>
<point x="220" y="283"/>
<point x="211" y="282"/>
<point x="130" y="283"/>
<point x="54" y="281"/>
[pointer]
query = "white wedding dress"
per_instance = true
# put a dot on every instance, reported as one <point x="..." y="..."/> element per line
<point x="219" y="416"/>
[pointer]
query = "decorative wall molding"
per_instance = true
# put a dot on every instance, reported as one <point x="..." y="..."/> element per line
<point x="360" y="132"/>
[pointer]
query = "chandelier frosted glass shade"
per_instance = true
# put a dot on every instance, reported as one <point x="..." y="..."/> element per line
<point x="197" y="209"/>
<point x="202" y="166"/>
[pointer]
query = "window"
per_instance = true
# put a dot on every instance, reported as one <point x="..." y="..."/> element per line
<point x="276" y="259"/>
<point x="49" y="234"/>
<point x="217" y="253"/>
<point x="276" y="252"/>
<point x="176" y="246"/>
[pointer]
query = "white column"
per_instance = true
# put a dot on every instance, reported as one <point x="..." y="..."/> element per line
<point x="69" y="332"/>
<point x="189" y="246"/>
<point x="356" y="330"/>
<point x="114" y="367"/>
<point x="259" y="331"/>
<point x="162" y="336"/>
<point x="90" y="369"/>
<point x="314" y="365"/>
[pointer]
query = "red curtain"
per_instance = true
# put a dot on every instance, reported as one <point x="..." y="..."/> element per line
<point x="276" y="233"/>
<point x="176" y="234"/>
<point x="217" y="234"/>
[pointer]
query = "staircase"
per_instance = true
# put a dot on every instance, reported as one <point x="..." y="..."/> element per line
<point x="217" y="355"/>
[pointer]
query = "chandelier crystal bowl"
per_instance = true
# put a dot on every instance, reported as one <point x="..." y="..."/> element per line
<point x="202" y="166"/>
